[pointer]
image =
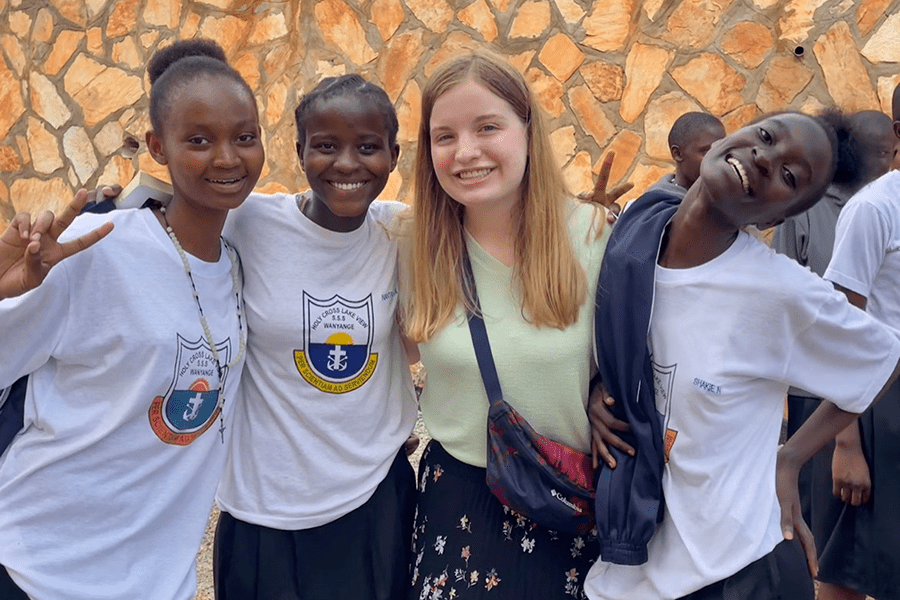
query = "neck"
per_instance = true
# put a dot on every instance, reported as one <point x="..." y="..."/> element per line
<point x="681" y="181"/>
<point x="697" y="234"/>
<point x="493" y="227"/>
<point x="199" y="234"/>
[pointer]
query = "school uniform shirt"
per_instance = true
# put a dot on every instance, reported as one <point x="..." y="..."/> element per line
<point x="727" y="338"/>
<point x="808" y="238"/>
<point x="544" y="372"/>
<point x="106" y="492"/>
<point x="328" y="396"/>
<point x="871" y="269"/>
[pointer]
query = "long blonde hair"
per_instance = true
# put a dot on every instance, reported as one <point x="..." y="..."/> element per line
<point x="552" y="281"/>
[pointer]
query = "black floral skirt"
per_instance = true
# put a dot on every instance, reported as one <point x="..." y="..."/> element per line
<point x="468" y="545"/>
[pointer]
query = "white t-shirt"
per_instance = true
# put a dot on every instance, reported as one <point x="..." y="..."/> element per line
<point x="107" y="491"/>
<point x="327" y="395"/>
<point x="728" y="337"/>
<point x="866" y="257"/>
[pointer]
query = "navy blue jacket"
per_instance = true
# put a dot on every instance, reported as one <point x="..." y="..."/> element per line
<point x="629" y="501"/>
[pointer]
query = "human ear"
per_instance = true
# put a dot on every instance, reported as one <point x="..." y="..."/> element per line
<point x="897" y="129"/>
<point x="395" y="154"/>
<point x="676" y="153"/>
<point x="300" y="155"/>
<point x="155" y="147"/>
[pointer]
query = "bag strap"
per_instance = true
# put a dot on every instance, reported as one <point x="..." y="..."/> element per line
<point x="480" y="341"/>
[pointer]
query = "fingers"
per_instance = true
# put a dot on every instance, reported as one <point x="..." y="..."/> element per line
<point x="20" y="226"/>
<point x="809" y="546"/>
<point x="41" y="225"/>
<point x="619" y="191"/>
<point x="86" y="241"/>
<point x="600" y="451"/>
<point x="72" y="210"/>
<point x="411" y="443"/>
<point x="603" y="175"/>
<point x="109" y="191"/>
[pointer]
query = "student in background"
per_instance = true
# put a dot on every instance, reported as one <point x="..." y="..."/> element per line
<point x="690" y="138"/>
<point x="861" y="556"/>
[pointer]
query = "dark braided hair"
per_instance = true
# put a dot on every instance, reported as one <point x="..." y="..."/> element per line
<point x="347" y="85"/>
<point x="177" y="66"/>
<point x="847" y="170"/>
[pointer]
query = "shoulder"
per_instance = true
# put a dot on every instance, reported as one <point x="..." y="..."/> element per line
<point x="257" y="203"/>
<point x="881" y="195"/>
<point x="386" y="211"/>
<point x="254" y="210"/>
<point x="126" y="219"/>
<point x="784" y="277"/>
<point x="586" y="221"/>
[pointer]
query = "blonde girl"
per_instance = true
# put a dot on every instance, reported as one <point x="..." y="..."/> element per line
<point x="488" y="187"/>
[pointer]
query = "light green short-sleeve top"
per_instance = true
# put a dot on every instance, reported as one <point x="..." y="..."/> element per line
<point x="544" y="372"/>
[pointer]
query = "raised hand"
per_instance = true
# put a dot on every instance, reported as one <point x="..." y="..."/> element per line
<point x="607" y="198"/>
<point x="28" y="250"/>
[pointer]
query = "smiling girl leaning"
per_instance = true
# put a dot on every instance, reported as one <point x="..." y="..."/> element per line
<point x="731" y="326"/>
<point x="135" y="347"/>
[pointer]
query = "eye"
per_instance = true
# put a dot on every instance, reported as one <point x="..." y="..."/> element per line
<point x="197" y="140"/>
<point x="247" y="138"/>
<point x="368" y="148"/>
<point x="325" y="147"/>
<point x="441" y="138"/>
<point x="490" y="128"/>
<point x="765" y="136"/>
<point x="789" y="178"/>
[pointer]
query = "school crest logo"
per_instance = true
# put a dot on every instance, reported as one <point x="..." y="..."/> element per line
<point x="337" y="352"/>
<point x="191" y="404"/>
<point x="663" y="382"/>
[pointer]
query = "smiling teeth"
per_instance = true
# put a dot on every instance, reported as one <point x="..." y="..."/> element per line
<point x="474" y="174"/>
<point x="742" y="174"/>
<point x="226" y="181"/>
<point x="347" y="187"/>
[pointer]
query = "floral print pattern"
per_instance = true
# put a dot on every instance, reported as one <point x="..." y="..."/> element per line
<point x="452" y="560"/>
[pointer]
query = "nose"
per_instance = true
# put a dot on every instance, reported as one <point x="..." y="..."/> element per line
<point x="226" y="157"/>
<point x="762" y="160"/>
<point x="345" y="160"/>
<point x="468" y="148"/>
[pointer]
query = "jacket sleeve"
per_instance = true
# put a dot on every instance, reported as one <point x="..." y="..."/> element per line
<point x="629" y="502"/>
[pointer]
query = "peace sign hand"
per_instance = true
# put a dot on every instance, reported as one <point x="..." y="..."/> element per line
<point x="607" y="198"/>
<point x="29" y="250"/>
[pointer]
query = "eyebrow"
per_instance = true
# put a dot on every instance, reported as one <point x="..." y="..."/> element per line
<point x="478" y="119"/>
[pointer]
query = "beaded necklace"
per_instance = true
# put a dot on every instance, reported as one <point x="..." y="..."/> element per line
<point x="242" y="337"/>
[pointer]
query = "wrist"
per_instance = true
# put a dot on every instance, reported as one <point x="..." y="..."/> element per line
<point x="788" y="458"/>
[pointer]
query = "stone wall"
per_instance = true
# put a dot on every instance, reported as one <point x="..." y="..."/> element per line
<point x="612" y="74"/>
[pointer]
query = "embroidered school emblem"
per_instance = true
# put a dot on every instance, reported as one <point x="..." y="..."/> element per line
<point x="191" y="404"/>
<point x="337" y="352"/>
<point x="663" y="384"/>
